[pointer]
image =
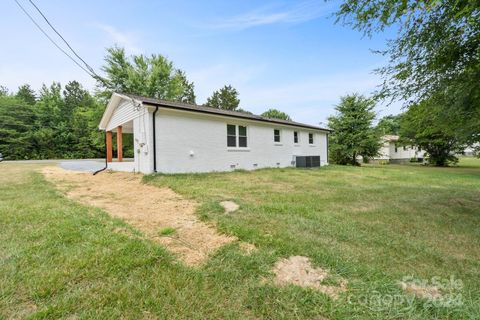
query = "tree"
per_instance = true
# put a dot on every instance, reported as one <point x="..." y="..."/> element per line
<point x="353" y="134"/>
<point x="437" y="42"/>
<point x="27" y="94"/>
<point x="153" y="76"/>
<point x="226" y="98"/>
<point x="3" y="91"/>
<point x="276" y="114"/>
<point x="430" y="126"/>
<point x="17" y="118"/>
<point x="188" y="94"/>
<point x="389" y="125"/>
<point x="84" y="114"/>
<point x="52" y="132"/>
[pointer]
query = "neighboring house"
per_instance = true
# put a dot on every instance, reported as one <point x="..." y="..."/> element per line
<point x="173" y="137"/>
<point x="393" y="152"/>
<point x="471" y="151"/>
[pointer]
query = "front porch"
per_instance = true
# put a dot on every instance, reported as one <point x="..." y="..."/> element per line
<point x="125" y="115"/>
<point x="119" y="163"/>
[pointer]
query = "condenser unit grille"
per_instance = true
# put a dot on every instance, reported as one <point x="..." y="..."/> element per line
<point x="307" y="161"/>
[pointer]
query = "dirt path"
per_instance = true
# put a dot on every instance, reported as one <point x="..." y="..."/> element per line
<point x="149" y="209"/>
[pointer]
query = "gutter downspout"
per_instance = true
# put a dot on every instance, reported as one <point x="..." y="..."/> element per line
<point x="154" y="142"/>
<point x="106" y="163"/>
<point x="328" y="135"/>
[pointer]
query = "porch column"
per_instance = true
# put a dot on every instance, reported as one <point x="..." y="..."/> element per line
<point x="108" y="142"/>
<point x="119" y="144"/>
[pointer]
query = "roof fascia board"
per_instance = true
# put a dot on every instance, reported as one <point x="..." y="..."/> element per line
<point x="221" y="116"/>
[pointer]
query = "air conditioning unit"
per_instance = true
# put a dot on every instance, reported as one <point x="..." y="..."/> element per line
<point x="307" y="161"/>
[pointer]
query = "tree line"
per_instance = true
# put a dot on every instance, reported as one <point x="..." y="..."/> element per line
<point x="56" y="123"/>
<point x="62" y="122"/>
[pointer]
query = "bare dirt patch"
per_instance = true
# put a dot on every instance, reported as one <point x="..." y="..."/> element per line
<point x="421" y="291"/>
<point x="229" y="206"/>
<point x="147" y="208"/>
<point x="298" y="270"/>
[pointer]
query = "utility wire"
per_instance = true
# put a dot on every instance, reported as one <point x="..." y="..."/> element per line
<point x="61" y="37"/>
<point x="52" y="41"/>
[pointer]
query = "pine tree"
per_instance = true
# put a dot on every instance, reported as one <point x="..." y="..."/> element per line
<point x="353" y="134"/>
<point x="27" y="94"/>
<point x="226" y="98"/>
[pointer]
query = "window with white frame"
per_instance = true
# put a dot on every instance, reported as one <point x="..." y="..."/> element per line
<point x="295" y="136"/>
<point x="236" y="136"/>
<point x="242" y="136"/>
<point x="231" y="135"/>
<point x="310" y="138"/>
<point x="276" y="135"/>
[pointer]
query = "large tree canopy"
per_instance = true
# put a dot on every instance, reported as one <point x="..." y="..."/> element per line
<point x="438" y="43"/>
<point x="432" y="127"/>
<point x="153" y="76"/>
<point x="353" y="134"/>
<point x="226" y="98"/>
<point x="276" y="114"/>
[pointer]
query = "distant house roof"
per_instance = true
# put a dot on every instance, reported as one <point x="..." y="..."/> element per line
<point x="390" y="137"/>
<point x="215" y="111"/>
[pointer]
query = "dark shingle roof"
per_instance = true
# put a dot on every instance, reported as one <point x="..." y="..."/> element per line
<point x="221" y="112"/>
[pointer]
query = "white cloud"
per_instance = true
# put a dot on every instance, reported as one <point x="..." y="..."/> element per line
<point x="126" y="40"/>
<point x="298" y="13"/>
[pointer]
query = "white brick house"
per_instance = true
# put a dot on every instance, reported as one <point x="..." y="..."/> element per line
<point x="172" y="137"/>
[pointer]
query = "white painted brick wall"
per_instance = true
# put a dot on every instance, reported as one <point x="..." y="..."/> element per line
<point x="189" y="142"/>
<point x="143" y="142"/>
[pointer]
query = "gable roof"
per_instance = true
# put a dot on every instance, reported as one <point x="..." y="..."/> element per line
<point x="215" y="111"/>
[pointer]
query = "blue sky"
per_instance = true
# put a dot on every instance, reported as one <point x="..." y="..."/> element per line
<point x="288" y="55"/>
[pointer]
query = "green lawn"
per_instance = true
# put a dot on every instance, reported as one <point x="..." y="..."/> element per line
<point x="371" y="225"/>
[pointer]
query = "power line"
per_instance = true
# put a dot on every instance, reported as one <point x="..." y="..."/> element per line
<point x="51" y="40"/>
<point x="61" y="37"/>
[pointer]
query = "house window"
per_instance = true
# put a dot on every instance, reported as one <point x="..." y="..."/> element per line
<point x="236" y="135"/>
<point x="310" y="138"/>
<point x="295" y="137"/>
<point x="419" y="149"/>
<point x="242" y="136"/>
<point x="404" y="148"/>
<point x="276" y="135"/>
<point x="396" y="148"/>
<point x="231" y="135"/>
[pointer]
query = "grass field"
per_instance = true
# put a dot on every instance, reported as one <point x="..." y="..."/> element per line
<point x="371" y="225"/>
